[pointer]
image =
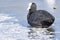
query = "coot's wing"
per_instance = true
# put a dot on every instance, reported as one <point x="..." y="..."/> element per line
<point x="48" y="15"/>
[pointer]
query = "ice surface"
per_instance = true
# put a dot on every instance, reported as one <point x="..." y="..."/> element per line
<point x="18" y="10"/>
<point x="14" y="31"/>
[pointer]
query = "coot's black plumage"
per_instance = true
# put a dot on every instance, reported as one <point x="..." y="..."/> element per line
<point x="39" y="17"/>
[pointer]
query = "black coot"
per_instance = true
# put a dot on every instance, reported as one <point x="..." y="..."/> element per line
<point x="39" y="17"/>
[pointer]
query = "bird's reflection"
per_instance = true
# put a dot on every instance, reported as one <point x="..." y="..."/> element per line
<point x="36" y="32"/>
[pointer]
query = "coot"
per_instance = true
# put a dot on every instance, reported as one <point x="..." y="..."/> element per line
<point x="39" y="17"/>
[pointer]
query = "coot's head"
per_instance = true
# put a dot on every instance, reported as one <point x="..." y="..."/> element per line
<point x="32" y="7"/>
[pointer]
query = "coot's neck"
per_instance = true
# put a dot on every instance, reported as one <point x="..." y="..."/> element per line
<point x="32" y="11"/>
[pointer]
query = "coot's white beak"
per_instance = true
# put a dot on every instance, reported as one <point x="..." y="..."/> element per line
<point x="29" y="6"/>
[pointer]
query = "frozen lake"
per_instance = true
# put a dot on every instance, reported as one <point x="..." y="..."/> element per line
<point x="13" y="14"/>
